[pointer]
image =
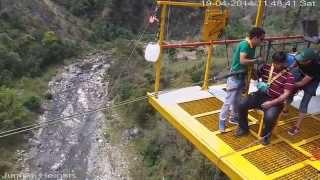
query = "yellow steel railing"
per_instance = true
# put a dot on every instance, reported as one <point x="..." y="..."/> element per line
<point x="164" y="14"/>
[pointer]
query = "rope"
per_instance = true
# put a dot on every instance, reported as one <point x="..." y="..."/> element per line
<point x="56" y="120"/>
<point x="139" y="39"/>
<point x="60" y="119"/>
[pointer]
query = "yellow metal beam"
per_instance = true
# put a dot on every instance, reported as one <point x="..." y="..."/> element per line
<point x="184" y="4"/>
<point x="288" y="170"/>
<point x="208" y="66"/>
<point x="194" y="139"/>
<point x="164" y="13"/>
<point x="207" y="113"/>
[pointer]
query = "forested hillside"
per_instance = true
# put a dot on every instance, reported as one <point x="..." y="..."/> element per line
<point x="37" y="37"/>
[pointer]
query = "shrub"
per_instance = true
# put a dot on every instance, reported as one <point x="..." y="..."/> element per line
<point x="152" y="153"/>
<point x="197" y="76"/>
<point x="12" y="112"/>
<point x="33" y="103"/>
<point x="125" y="90"/>
<point x="49" y="38"/>
<point x="48" y="96"/>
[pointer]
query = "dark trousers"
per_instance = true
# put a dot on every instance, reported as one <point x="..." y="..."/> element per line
<point x="254" y="101"/>
<point x="304" y="102"/>
<point x="309" y="89"/>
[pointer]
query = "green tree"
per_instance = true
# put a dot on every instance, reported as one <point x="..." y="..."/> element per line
<point x="12" y="112"/>
<point x="6" y="41"/>
<point x="56" y="50"/>
<point x="10" y="65"/>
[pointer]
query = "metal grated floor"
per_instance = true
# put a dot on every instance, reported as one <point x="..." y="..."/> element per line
<point x="307" y="172"/>
<point x="238" y="143"/>
<point x="292" y="113"/>
<point x="312" y="146"/>
<point x="201" y="106"/>
<point x="274" y="157"/>
<point x="280" y="158"/>
<point x="212" y="122"/>
<point x="255" y="129"/>
<point x="309" y="128"/>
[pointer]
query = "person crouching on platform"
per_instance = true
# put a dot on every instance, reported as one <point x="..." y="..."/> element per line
<point x="275" y="87"/>
<point x="243" y="55"/>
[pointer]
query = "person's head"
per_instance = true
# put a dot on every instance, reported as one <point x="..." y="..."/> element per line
<point x="256" y="36"/>
<point x="306" y="56"/>
<point x="279" y="60"/>
<point x="294" y="49"/>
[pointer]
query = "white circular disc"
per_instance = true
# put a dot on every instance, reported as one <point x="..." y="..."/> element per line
<point x="152" y="52"/>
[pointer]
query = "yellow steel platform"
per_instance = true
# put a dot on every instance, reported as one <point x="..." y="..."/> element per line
<point x="194" y="113"/>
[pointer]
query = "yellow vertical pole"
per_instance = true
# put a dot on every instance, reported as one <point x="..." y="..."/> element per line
<point x="161" y="39"/>
<point x="261" y="123"/>
<point x="258" y="24"/>
<point x="260" y="13"/>
<point x="208" y="66"/>
<point x="205" y="85"/>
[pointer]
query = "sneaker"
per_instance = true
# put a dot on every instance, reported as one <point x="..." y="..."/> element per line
<point x="293" y="131"/>
<point x="234" y="120"/>
<point x="266" y="140"/>
<point x="240" y="132"/>
<point x="222" y="126"/>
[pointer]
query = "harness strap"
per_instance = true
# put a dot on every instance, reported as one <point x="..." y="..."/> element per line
<point x="270" y="79"/>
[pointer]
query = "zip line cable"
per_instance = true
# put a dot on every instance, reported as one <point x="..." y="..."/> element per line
<point x="114" y="106"/>
<point x="133" y="49"/>
<point x="60" y="119"/>
<point x="56" y="120"/>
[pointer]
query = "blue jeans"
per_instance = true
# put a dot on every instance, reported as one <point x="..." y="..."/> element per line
<point x="254" y="101"/>
<point x="235" y="86"/>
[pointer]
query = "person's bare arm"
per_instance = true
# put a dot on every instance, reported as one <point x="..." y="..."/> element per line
<point x="245" y="60"/>
<point x="280" y="99"/>
<point x="303" y="82"/>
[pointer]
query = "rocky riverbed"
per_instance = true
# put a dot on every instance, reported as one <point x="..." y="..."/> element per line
<point x="76" y="148"/>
